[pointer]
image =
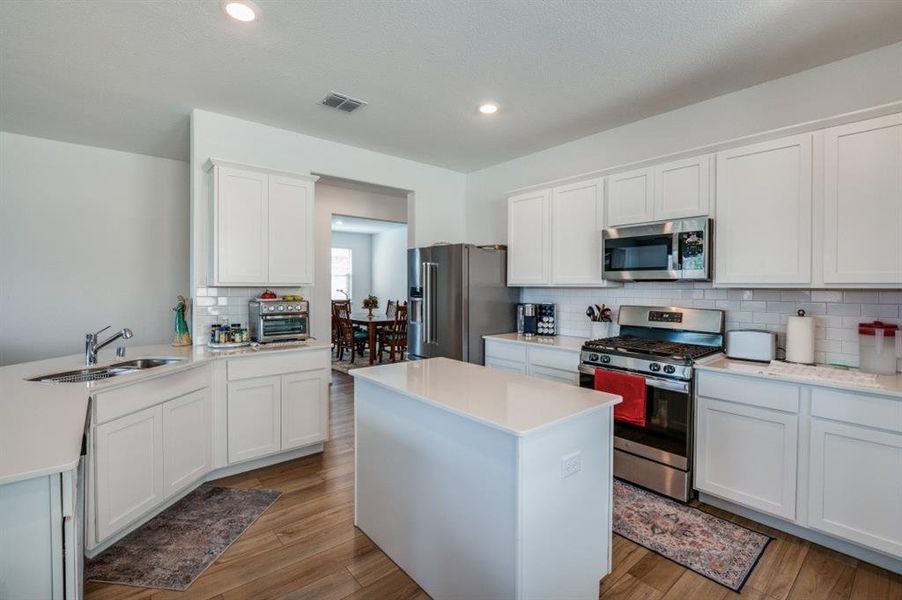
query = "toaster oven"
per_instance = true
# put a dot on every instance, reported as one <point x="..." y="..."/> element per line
<point x="278" y="320"/>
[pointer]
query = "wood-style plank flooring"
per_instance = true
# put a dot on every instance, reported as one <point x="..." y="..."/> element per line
<point x="306" y="546"/>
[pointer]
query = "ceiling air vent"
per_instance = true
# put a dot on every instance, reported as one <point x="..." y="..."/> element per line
<point x="342" y="102"/>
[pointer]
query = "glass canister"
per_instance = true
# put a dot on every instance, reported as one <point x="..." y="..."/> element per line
<point x="879" y="346"/>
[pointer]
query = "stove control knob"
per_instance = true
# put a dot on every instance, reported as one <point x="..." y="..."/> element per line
<point x="593" y="358"/>
<point x="281" y="307"/>
<point x="655" y="367"/>
<point x="669" y="369"/>
<point x="605" y="359"/>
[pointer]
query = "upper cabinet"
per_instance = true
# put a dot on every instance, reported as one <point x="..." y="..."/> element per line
<point x="764" y="213"/>
<point x="683" y="188"/>
<point x="528" y="255"/>
<point x="554" y="235"/>
<point x="262" y="227"/>
<point x="577" y="218"/>
<point x="863" y="202"/>
<point x="674" y="190"/>
<point x="632" y="197"/>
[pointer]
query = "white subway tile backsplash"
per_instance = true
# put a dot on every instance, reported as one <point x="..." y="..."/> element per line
<point x="826" y="296"/>
<point x="838" y="312"/>
<point x="860" y="296"/>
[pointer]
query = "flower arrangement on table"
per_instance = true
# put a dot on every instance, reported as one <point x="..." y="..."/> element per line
<point x="371" y="302"/>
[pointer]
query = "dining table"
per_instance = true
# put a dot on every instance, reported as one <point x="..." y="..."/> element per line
<point x="372" y="323"/>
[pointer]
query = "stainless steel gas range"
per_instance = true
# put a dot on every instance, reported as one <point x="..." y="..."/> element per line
<point x="661" y="345"/>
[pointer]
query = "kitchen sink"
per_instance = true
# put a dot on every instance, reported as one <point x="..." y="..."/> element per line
<point x="99" y="373"/>
<point x="145" y="363"/>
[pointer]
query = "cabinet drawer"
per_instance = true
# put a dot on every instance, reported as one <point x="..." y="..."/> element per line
<point x="126" y="400"/>
<point x="277" y="364"/>
<point x="860" y="409"/>
<point x="748" y="390"/>
<point x="554" y="359"/>
<point x="551" y="374"/>
<point x="505" y="365"/>
<point x="505" y="351"/>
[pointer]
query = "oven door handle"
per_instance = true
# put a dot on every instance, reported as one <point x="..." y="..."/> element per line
<point x="655" y="382"/>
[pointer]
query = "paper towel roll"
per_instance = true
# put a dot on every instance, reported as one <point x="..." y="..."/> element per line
<point x="800" y="339"/>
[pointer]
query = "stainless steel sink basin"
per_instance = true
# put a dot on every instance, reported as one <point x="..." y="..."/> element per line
<point x="98" y="373"/>
<point x="146" y="363"/>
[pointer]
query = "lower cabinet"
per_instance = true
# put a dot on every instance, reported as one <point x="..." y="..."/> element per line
<point x="855" y="484"/>
<point x="304" y="409"/>
<point x="187" y="451"/>
<point x="129" y="469"/>
<point x="254" y="417"/>
<point x="529" y="358"/>
<point x="271" y="414"/>
<point x="747" y="454"/>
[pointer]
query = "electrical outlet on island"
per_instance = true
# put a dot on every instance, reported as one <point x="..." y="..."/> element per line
<point x="571" y="464"/>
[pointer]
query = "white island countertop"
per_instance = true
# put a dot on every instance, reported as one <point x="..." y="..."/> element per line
<point x="558" y="342"/>
<point x="513" y="403"/>
<point x="41" y="424"/>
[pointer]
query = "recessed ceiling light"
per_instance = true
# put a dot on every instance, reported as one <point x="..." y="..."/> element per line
<point x="488" y="108"/>
<point x="339" y="223"/>
<point x="241" y="10"/>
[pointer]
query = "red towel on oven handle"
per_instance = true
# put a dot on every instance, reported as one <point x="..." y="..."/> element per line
<point x="631" y="387"/>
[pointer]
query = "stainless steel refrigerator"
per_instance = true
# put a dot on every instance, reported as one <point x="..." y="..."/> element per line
<point x="458" y="293"/>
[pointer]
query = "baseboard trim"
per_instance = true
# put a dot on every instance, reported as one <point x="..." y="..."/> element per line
<point x="855" y="551"/>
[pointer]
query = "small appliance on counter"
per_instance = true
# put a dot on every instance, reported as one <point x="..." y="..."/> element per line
<point x="278" y="319"/>
<point x="752" y="344"/>
<point x="535" y="319"/>
<point x="879" y="346"/>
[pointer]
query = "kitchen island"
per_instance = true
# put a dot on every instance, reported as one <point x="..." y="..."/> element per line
<point x="485" y="484"/>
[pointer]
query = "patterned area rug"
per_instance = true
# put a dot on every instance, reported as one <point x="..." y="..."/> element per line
<point x="717" y="549"/>
<point x="172" y="550"/>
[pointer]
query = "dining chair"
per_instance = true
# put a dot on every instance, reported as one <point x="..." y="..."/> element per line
<point x="336" y="326"/>
<point x="395" y="335"/>
<point x="390" y="308"/>
<point x="349" y="338"/>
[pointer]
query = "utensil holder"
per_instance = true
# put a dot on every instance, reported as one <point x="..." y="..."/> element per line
<point x="600" y="329"/>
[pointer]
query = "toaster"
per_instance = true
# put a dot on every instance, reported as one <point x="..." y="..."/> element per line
<point x="752" y="344"/>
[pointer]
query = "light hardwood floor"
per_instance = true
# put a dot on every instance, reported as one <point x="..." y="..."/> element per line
<point x="306" y="546"/>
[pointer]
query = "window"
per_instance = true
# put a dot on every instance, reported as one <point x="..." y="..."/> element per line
<point x="341" y="273"/>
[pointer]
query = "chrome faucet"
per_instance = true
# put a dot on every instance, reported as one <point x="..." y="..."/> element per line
<point x="92" y="346"/>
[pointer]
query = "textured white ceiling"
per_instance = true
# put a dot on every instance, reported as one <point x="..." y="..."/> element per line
<point x="126" y="74"/>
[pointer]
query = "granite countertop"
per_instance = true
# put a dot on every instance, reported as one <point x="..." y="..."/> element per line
<point x="559" y="342"/>
<point x="509" y="402"/>
<point x="41" y="424"/>
<point x="887" y="385"/>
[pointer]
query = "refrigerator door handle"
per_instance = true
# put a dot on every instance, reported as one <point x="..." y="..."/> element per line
<point x="428" y="272"/>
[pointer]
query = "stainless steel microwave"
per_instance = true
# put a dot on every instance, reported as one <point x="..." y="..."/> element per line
<point x="665" y="251"/>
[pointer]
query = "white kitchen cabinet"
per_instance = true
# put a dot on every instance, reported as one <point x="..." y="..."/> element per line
<point x="855" y="484"/>
<point x="528" y="243"/>
<point x="305" y="406"/>
<point x="631" y="197"/>
<point x="505" y="365"/>
<point x="254" y="418"/>
<point x="290" y="217"/>
<point x="863" y="202"/>
<point x="764" y="213"/>
<point x="187" y="448"/>
<point x="682" y="188"/>
<point x="262" y="226"/>
<point x="577" y="218"/>
<point x="531" y="358"/>
<point x="747" y="454"/>
<point x="129" y="469"/>
<point x="241" y="225"/>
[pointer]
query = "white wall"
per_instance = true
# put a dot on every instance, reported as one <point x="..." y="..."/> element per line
<point x="390" y="264"/>
<point x="88" y="237"/>
<point x="361" y="245"/>
<point x="855" y="83"/>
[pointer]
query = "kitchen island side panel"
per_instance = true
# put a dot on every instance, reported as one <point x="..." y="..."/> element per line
<point x="437" y="493"/>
